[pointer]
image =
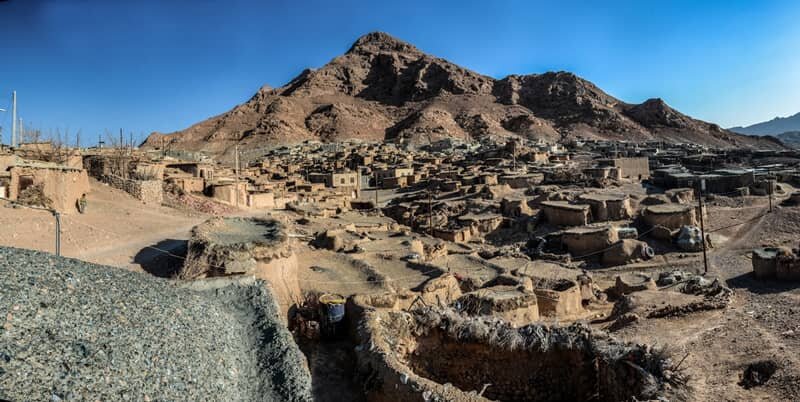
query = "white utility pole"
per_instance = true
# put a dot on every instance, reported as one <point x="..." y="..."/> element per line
<point x="14" y="119"/>
<point x="236" y="158"/>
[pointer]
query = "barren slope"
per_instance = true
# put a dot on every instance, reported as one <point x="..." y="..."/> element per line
<point x="386" y="89"/>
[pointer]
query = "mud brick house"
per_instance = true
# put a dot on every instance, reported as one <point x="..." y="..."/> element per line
<point x="585" y="240"/>
<point x="607" y="207"/>
<point x="456" y="235"/>
<point x="395" y="182"/>
<point x="522" y="180"/>
<point x="343" y="179"/>
<point x="562" y="213"/>
<point x="390" y="173"/>
<point x="195" y="169"/>
<point x="672" y="216"/>
<point x="230" y="191"/>
<point x="629" y="168"/>
<point x="188" y="184"/>
<point x="61" y="185"/>
<point x="261" y="200"/>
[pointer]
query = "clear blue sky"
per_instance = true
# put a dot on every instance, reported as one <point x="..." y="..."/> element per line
<point x="161" y="65"/>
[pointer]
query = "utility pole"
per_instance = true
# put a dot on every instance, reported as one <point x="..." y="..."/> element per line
<point x="57" y="215"/>
<point x="769" y="192"/>
<point x="375" y="175"/>
<point x="236" y="158"/>
<point x="430" y="212"/>
<point x="236" y="173"/>
<point x="702" y="224"/>
<point x="14" y="119"/>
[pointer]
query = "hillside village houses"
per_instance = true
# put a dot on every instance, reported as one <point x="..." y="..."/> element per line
<point x="459" y="193"/>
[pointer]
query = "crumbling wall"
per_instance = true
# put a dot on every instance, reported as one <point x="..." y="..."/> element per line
<point x="627" y="251"/>
<point x="779" y="263"/>
<point x="433" y="354"/>
<point x="605" y="208"/>
<point x="562" y="300"/>
<point x="515" y="307"/>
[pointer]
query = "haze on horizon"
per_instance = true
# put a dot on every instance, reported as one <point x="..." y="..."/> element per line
<point x="148" y="66"/>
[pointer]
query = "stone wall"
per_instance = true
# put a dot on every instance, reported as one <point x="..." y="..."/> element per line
<point x="146" y="191"/>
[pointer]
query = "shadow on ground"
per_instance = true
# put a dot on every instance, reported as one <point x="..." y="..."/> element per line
<point x="761" y="286"/>
<point x="333" y="366"/>
<point x="163" y="259"/>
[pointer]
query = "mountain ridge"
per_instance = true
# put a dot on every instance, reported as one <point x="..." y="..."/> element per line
<point x="776" y="126"/>
<point x="384" y="89"/>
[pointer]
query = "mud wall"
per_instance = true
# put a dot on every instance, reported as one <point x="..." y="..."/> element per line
<point x="435" y="354"/>
<point x="240" y="246"/>
<point x="674" y="220"/>
<point x="509" y="375"/>
<point x="582" y="243"/>
<point x="64" y="187"/>
<point x="566" y="217"/>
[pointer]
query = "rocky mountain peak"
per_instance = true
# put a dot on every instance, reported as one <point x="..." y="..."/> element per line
<point x="380" y="42"/>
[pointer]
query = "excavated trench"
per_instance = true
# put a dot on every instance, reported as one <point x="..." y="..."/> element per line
<point x="440" y="354"/>
<point x="561" y="373"/>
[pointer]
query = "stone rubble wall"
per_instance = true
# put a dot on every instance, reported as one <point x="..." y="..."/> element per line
<point x="147" y="191"/>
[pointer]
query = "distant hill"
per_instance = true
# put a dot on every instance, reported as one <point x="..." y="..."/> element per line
<point x="778" y="125"/>
<point x="790" y="138"/>
<point x="384" y="89"/>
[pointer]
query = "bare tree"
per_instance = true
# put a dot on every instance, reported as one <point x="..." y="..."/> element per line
<point x="118" y="156"/>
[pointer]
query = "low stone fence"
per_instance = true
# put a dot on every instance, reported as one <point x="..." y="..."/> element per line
<point x="147" y="191"/>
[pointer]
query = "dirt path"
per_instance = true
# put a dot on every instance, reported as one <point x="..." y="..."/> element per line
<point x="114" y="229"/>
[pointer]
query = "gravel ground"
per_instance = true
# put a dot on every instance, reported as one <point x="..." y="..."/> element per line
<point x="78" y="331"/>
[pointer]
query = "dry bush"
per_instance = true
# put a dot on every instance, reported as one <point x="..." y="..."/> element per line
<point x="146" y="173"/>
<point x="34" y="196"/>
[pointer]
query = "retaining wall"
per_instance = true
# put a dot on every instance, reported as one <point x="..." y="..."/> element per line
<point x="147" y="191"/>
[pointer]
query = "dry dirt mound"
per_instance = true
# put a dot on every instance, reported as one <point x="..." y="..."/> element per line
<point x="78" y="331"/>
<point x="384" y="88"/>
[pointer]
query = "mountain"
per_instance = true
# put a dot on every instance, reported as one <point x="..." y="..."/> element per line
<point x="775" y="126"/>
<point x="790" y="138"/>
<point x="385" y="89"/>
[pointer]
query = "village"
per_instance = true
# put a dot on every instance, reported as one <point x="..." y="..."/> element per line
<point x="379" y="255"/>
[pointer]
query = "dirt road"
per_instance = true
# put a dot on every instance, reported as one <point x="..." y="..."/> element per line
<point x="114" y="229"/>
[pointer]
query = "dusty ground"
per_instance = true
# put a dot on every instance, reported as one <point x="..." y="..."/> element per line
<point x="114" y="229"/>
<point x="761" y="324"/>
